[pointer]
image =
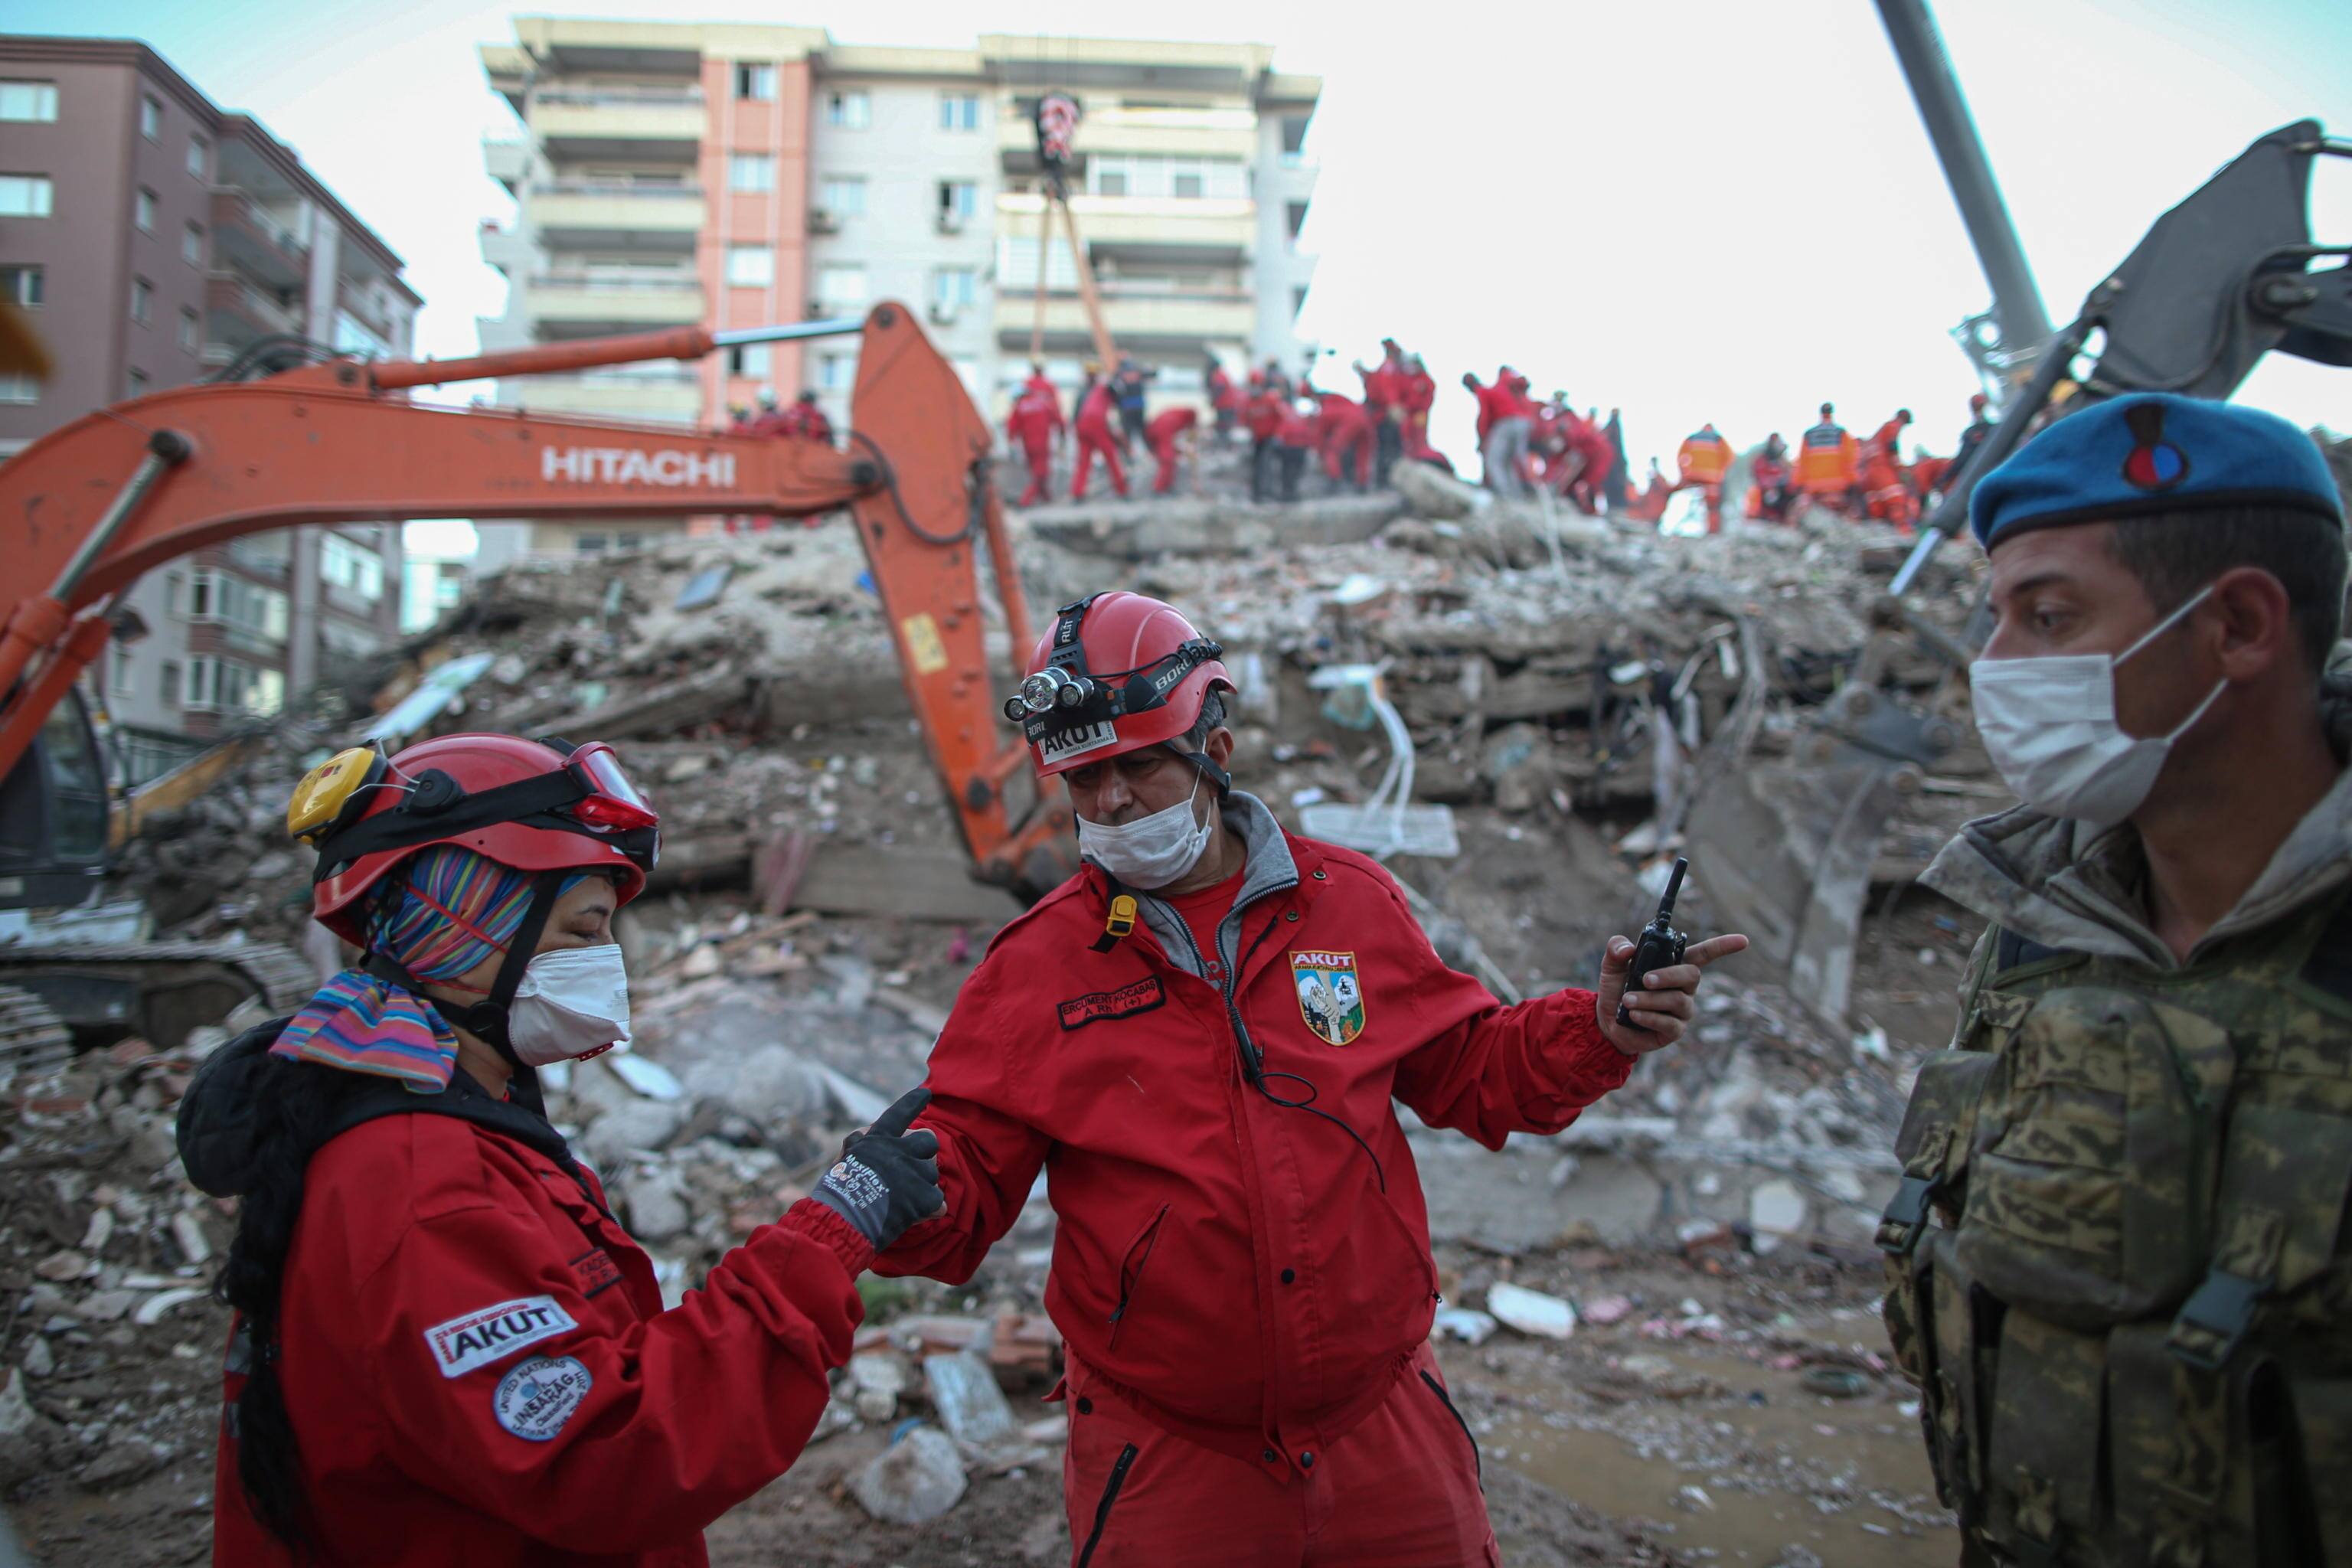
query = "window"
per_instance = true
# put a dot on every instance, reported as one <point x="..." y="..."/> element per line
<point x="589" y="543"/>
<point x="1293" y="137"/>
<point x="954" y="287"/>
<point x="118" y="671"/>
<point x="1294" y="215"/>
<point x="960" y="111"/>
<point x="151" y="117"/>
<point x="225" y="683"/>
<point x="25" y="195"/>
<point x="840" y="286"/>
<point x="627" y="539"/>
<point x="834" y="372"/>
<point x="353" y="567"/>
<point x="1110" y="181"/>
<point x="135" y="383"/>
<point x="22" y="285"/>
<point x="1188" y="182"/>
<point x="200" y="156"/>
<point x="849" y="110"/>
<point x="143" y="300"/>
<point x="192" y="245"/>
<point x="19" y="388"/>
<point x="751" y="171"/>
<point x="175" y="593"/>
<point x="959" y="199"/>
<point x="171" y="683"/>
<point x="756" y="82"/>
<point x="142" y="209"/>
<point x="842" y="196"/>
<point x="191" y="338"/>
<point x="749" y="359"/>
<point x="223" y="597"/>
<point x="750" y="266"/>
<point x="29" y="100"/>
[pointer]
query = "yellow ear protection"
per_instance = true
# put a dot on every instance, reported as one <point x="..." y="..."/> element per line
<point x="334" y="794"/>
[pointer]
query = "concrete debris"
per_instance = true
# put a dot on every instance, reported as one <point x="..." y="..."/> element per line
<point x="1463" y="1323"/>
<point x="915" y="1479"/>
<point x="1530" y="1311"/>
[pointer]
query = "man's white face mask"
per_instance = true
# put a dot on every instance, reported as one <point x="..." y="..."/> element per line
<point x="1151" y="851"/>
<point x="2049" y="725"/>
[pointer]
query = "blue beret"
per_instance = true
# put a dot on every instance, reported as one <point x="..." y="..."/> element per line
<point x="2153" y="452"/>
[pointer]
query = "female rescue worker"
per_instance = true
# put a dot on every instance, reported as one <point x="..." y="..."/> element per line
<point x="1204" y="1032"/>
<point x="447" y="1350"/>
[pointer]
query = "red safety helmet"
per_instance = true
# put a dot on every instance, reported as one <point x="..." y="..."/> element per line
<point x="1977" y="401"/>
<point x="1118" y="672"/>
<point x="528" y="805"/>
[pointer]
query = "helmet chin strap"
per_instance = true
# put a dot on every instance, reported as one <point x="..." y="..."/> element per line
<point x="486" y="1020"/>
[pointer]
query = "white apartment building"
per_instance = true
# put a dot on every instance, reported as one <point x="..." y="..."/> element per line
<point x="674" y="173"/>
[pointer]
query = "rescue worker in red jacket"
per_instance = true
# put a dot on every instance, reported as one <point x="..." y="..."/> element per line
<point x="1034" y="423"/>
<point x="1298" y="434"/>
<point x="1886" y="495"/>
<point x="445" y="1348"/>
<point x="1202" y="1032"/>
<point x="1384" y="392"/>
<point x="1827" y="461"/>
<point x="1771" y="486"/>
<point x="807" y="421"/>
<point x="1261" y="417"/>
<point x="1347" y="438"/>
<point x="1097" y="429"/>
<point x="1164" y="433"/>
<point x="1224" y="398"/>
<point x="1419" y="397"/>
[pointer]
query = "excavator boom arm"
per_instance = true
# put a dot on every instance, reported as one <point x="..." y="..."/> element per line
<point x="88" y="509"/>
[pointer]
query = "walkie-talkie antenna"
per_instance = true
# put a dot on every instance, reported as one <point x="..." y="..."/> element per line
<point x="1673" y="888"/>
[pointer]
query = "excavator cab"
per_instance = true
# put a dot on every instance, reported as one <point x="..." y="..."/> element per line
<point x="53" y="810"/>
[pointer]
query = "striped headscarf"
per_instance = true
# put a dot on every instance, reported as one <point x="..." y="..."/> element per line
<point x="452" y="909"/>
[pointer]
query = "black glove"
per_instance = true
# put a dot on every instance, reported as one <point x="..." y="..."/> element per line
<point x="887" y="1177"/>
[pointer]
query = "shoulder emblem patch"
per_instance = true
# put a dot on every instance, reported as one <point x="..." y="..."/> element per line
<point x="1124" y="1003"/>
<point x="1330" y="998"/>
<point x="493" y="1333"/>
<point x="535" y="1399"/>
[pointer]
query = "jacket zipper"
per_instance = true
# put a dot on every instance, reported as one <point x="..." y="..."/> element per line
<point x="1102" y="1509"/>
<point x="1251" y="1062"/>
<point x="1477" y="1464"/>
<point x="1148" y="1239"/>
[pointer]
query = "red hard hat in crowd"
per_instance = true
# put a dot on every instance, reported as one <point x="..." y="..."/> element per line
<point x="1977" y="401"/>
<point x="1118" y="672"/>
<point x="526" y="804"/>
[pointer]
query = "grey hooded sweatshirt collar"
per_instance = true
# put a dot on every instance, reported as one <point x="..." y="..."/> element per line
<point x="1269" y="869"/>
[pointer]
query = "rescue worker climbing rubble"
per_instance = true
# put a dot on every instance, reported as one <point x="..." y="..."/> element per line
<point x="1034" y="423"/>
<point x="1886" y="496"/>
<point x="445" y="1349"/>
<point x="1701" y="463"/>
<point x="1098" y="433"/>
<point x="1827" y="462"/>
<point x="2117" y="1256"/>
<point x="1203" y="1033"/>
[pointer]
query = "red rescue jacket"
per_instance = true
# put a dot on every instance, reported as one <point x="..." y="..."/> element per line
<point x="1233" y="1265"/>
<point x="1262" y="415"/>
<point x="1095" y="412"/>
<point x="479" y="1370"/>
<point x="1420" y="392"/>
<point x="1169" y="424"/>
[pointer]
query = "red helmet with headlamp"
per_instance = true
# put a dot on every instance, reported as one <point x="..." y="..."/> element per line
<point x="528" y="805"/>
<point x="1119" y="672"/>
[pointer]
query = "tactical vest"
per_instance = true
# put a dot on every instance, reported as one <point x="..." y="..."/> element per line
<point x="2132" y="1328"/>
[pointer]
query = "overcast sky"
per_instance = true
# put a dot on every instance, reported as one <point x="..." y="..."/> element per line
<point x="1723" y="211"/>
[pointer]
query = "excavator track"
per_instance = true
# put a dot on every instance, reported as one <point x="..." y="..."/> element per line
<point x="157" y="990"/>
<point x="33" y="1039"/>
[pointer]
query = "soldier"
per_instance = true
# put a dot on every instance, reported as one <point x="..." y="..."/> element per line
<point x="2118" y="1265"/>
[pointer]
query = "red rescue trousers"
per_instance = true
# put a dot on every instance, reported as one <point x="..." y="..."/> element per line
<point x="1164" y="449"/>
<point x="1039" y="450"/>
<point x="1091" y="444"/>
<point x="1399" y="1490"/>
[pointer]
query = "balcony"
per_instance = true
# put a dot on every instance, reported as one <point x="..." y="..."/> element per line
<point x="510" y="250"/>
<point x="581" y="215"/>
<point x="237" y="312"/>
<point x="509" y="162"/>
<point x="1149" y="320"/>
<point x="651" y="124"/>
<point x="1171" y="230"/>
<point x="1224" y="133"/>
<point x="248" y="233"/>
<point x="669" y="395"/>
<point x="573" y="305"/>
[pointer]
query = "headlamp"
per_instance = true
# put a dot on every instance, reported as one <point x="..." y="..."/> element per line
<point x="1051" y="687"/>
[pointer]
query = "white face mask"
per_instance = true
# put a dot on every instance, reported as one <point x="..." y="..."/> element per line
<point x="574" y="1002"/>
<point x="2050" y="727"/>
<point x="1151" y="851"/>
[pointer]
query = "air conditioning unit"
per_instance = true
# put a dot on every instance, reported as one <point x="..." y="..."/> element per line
<point x="823" y="220"/>
<point x="944" y="315"/>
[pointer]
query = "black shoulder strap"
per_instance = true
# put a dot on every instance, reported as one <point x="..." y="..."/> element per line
<point x="2013" y="950"/>
<point x="468" y="1101"/>
<point x="2329" y="967"/>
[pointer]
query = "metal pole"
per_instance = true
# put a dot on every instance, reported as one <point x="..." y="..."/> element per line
<point x="2016" y="301"/>
<point x="831" y="327"/>
<point x="164" y="449"/>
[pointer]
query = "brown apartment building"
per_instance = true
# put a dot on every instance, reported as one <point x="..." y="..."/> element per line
<point x="153" y="240"/>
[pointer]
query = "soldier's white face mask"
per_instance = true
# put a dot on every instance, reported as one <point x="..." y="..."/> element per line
<point x="574" y="1002"/>
<point x="1151" y="851"/>
<point x="2049" y="725"/>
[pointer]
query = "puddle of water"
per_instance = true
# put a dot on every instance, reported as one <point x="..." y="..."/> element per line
<point x="1796" y="1470"/>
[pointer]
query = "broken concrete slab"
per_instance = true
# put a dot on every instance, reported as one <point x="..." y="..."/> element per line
<point x="1141" y="530"/>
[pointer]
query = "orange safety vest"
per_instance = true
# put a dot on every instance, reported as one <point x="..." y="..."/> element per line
<point x="1704" y="458"/>
<point x="1826" y="457"/>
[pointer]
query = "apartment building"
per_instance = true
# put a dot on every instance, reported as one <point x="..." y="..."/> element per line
<point x="671" y="173"/>
<point x="153" y="238"/>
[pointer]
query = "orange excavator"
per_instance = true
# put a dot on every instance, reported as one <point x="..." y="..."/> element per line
<point x="88" y="509"/>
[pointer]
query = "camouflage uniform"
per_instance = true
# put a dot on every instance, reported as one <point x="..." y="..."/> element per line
<point x="2118" y="1264"/>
